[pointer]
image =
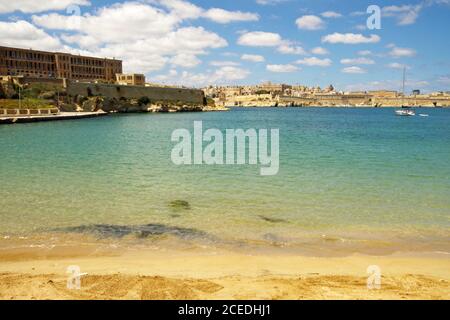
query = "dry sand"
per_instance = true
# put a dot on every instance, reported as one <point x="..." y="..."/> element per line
<point x="221" y="275"/>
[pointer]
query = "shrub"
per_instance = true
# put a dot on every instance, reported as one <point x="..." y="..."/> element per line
<point x="143" y="101"/>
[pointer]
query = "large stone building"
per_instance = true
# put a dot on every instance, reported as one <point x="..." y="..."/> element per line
<point x="41" y="64"/>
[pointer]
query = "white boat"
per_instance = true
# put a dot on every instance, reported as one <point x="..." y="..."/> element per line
<point x="405" y="113"/>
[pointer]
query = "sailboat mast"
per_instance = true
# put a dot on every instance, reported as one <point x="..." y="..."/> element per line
<point x="404" y="79"/>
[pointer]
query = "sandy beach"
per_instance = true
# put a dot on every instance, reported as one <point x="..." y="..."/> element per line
<point x="156" y="275"/>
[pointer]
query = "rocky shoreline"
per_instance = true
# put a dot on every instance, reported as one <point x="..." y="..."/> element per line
<point x="112" y="105"/>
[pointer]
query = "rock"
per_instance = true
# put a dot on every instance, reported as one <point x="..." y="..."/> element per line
<point x="48" y="95"/>
<point x="272" y="220"/>
<point x="68" y="107"/>
<point x="92" y="104"/>
<point x="180" y="205"/>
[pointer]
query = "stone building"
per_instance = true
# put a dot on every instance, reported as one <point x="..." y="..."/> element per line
<point x="130" y="79"/>
<point x="274" y="88"/>
<point x="42" y="64"/>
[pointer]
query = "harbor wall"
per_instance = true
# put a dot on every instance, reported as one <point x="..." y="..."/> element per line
<point x="368" y="100"/>
<point x="135" y="92"/>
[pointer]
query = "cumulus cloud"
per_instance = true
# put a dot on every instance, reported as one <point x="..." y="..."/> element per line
<point x="353" y="70"/>
<point x="288" y="48"/>
<point x="356" y="61"/>
<point x="25" y="35"/>
<point x="144" y="36"/>
<point x="253" y="58"/>
<point x="260" y="39"/>
<point x="282" y="68"/>
<point x="310" y="22"/>
<point x="223" y="63"/>
<point x="186" y="60"/>
<point x="397" y="52"/>
<point x="220" y="76"/>
<point x="269" y="39"/>
<point x="350" y="38"/>
<point x="224" y="16"/>
<point x="187" y="10"/>
<point x="331" y="14"/>
<point x="319" y="51"/>
<point x="33" y="6"/>
<point x="313" y="61"/>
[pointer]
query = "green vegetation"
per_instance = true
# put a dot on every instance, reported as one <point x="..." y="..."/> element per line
<point x="25" y="104"/>
<point x="210" y="102"/>
<point x="144" y="101"/>
<point x="35" y="90"/>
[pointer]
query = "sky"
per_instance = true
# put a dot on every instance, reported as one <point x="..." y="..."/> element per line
<point x="209" y="42"/>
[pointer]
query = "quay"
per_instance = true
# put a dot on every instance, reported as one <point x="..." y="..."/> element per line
<point x="51" y="117"/>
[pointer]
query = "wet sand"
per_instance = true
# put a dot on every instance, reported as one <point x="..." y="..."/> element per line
<point x="166" y="274"/>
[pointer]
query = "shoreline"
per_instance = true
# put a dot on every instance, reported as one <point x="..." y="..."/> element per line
<point x="56" y="117"/>
<point x="162" y="274"/>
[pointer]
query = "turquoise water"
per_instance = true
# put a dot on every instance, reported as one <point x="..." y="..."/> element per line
<point x="345" y="174"/>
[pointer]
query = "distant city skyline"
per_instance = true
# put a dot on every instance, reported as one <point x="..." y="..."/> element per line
<point x="199" y="42"/>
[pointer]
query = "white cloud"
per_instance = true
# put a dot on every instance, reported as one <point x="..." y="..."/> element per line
<point x="310" y="22"/>
<point x="354" y="70"/>
<point x="397" y="52"/>
<point x="34" y="6"/>
<point x="220" y="76"/>
<point x="313" y="61"/>
<point x="230" y="73"/>
<point x="396" y="65"/>
<point x="319" y="51"/>
<point x="119" y="23"/>
<point x="288" y="48"/>
<point x="282" y="68"/>
<point x="350" y="38"/>
<point x="405" y="14"/>
<point x="365" y="53"/>
<point x="224" y="63"/>
<point x="142" y="35"/>
<point x="260" y="39"/>
<point x="269" y="39"/>
<point x="444" y="80"/>
<point x="25" y="35"/>
<point x="185" y="60"/>
<point x="269" y="2"/>
<point x="361" y="27"/>
<point x="331" y="14"/>
<point x="358" y="61"/>
<point x="224" y="16"/>
<point x="182" y="9"/>
<point x="187" y="10"/>
<point x="253" y="58"/>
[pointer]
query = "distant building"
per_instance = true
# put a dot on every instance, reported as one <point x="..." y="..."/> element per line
<point x="416" y="92"/>
<point x="130" y="79"/>
<point x="42" y="64"/>
<point x="274" y="87"/>
<point x="384" y="94"/>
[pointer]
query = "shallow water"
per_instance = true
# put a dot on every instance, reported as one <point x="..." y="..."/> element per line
<point x="346" y="176"/>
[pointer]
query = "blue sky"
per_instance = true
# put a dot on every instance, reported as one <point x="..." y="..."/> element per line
<point x="201" y="42"/>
